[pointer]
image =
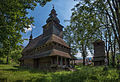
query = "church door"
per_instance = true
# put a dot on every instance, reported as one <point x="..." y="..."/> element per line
<point x="36" y="63"/>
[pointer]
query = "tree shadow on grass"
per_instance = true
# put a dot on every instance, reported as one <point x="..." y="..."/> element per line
<point x="31" y="70"/>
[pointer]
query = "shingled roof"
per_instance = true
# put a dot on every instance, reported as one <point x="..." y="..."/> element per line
<point x="52" y="32"/>
<point x="52" y="52"/>
<point x="41" y="40"/>
<point x="60" y="53"/>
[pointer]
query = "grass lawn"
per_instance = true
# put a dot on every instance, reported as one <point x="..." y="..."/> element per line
<point x="12" y="73"/>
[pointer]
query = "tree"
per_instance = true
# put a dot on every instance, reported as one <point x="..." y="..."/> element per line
<point x="15" y="55"/>
<point x="85" y="28"/>
<point x="68" y="37"/>
<point x="13" y="21"/>
<point x="99" y="15"/>
<point x="113" y="12"/>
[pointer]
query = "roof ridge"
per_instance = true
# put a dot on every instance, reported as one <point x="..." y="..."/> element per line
<point x="38" y="36"/>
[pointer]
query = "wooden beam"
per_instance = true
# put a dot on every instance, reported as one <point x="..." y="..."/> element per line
<point x="51" y="60"/>
<point x="65" y="61"/>
<point x="57" y="60"/>
<point x="61" y="62"/>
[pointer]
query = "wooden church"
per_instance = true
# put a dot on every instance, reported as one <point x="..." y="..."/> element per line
<point x="49" y="49"/>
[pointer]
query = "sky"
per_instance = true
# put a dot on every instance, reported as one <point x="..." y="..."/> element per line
<point x="40" y="14"/>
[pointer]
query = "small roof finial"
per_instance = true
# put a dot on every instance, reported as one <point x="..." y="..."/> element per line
<point x="53" y="6"/>
<point x="32" y="30"/>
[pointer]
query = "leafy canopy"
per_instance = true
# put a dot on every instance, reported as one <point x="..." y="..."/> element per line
<point x="13" y="20"/>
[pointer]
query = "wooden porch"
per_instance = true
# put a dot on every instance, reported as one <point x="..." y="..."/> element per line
<point x="59" y="62"/>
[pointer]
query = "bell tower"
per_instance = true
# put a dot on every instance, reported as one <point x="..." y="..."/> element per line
<point x="99" y="53"/>
<point x="53" y="25"/>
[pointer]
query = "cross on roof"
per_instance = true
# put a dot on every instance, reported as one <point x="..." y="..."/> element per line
<point x="53" y="6"/>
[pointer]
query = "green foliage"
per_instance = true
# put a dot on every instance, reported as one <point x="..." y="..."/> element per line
<point x="84" y="28"/>
<point x="2" y="60"/>
<point x="15" y="55"/>
<point x="13" y="21"/>
<point x="92" y="20"/>
<point x="82" y="74"/>
<point x="68" y="37"/>
<point x="86" y="23"/>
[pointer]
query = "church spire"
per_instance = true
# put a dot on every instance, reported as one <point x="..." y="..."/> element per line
<point x="53" y="25"/>
<point x="53" y="16"/>
<point x="53" y="13"/>
<point x="53" y="6"/>
<point x="31" y="36"/>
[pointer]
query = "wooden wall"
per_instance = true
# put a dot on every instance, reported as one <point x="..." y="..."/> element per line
<point x="44" y="63"/>
<point x="28" y="62"/>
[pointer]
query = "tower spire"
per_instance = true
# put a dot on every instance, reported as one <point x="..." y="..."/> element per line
<point x="53" y="16"/>
<point x="31" y="35"/>
<point x="53" y="25"/>
<point x="53" y="6"/>
<point x="53" y="12"/>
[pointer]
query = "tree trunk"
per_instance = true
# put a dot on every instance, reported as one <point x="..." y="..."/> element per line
<point x="113" y="60"/>
<point x="114" y="52"/>
<point x="115" y="18"/>
<point x="84" y="60"/>
<point x="107" y="47"/>
<point x="108" y="57"/>
<point x="113" y="57"/>
<point x="83" y="54"/>
<point x="7" y="60"/>
<point x="119" y="45"/>
<point x="109" y="43"/>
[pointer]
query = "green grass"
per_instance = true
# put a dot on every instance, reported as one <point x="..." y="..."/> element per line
<point x="82" y="74"/>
